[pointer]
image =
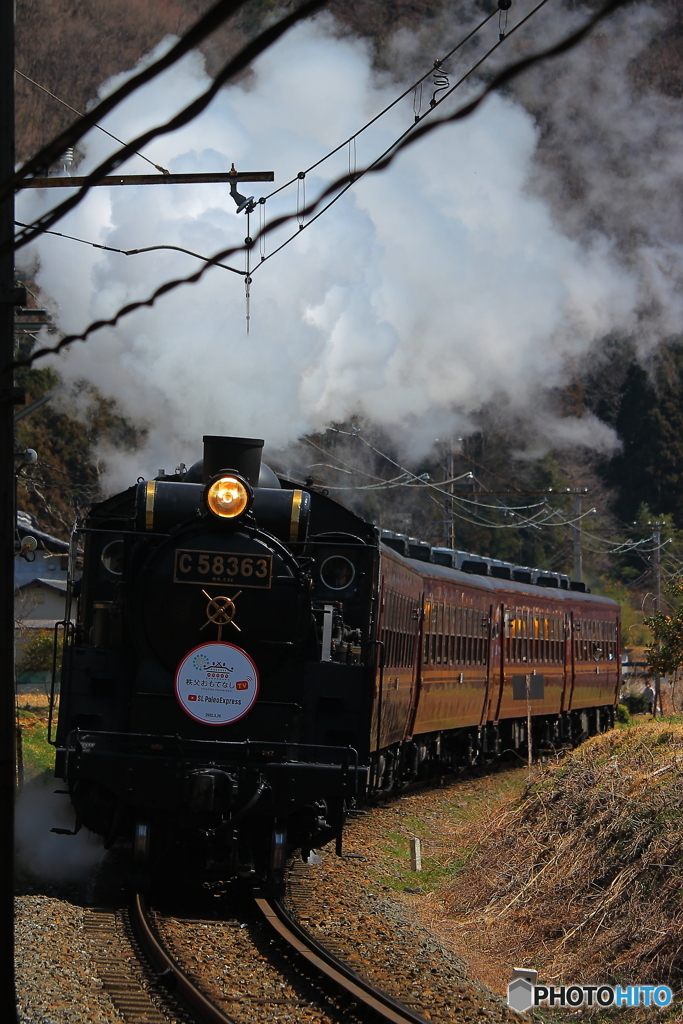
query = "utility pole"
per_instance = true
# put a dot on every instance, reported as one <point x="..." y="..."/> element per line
<point x="450" y="524"/>
<point x="576" y="537"/>
<point x="8" y="299"/>
<point x="657" y="588"/>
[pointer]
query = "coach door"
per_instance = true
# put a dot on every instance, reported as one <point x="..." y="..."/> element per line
<point x="416" y="685"/>
<point x="498" y="666"/>
<point x="569" y="668"/>
<point x="494" y="640"/>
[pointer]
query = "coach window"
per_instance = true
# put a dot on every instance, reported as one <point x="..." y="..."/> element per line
<point x="476" y="634"/>
<point x="425" y="637"/>
<point x="459" y="636"/>
<point x="387" y="632"/>
<point x="485" y="638"/>
<point x="470" y="639"/>
<point x="467" y="636"/>
<point x="584" y="639"/>
<point x="524" y="635"/>
<point x="451" y="634"/>
<point x="476" y="630"/>
<point x="512" y="630"/>
<point x="462" y="636"/>
<point x="439" y="632"/>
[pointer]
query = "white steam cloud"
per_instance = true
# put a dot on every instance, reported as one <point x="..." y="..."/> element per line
<point x="43" y="854"/>
<point x="425" y="293"/>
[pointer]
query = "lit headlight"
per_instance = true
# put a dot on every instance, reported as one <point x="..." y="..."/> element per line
<point x="228" y="497"/>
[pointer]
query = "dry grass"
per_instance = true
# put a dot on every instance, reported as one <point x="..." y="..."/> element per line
<point x="582" y="877"/>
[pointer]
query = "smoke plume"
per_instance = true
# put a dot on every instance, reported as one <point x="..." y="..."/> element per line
<point x="489" y="258"/>
<point x="43" y="854"/>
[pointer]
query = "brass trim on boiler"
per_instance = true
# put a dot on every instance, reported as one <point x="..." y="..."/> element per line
<point x="297" y="497"/>
<point x="150" y="495"/>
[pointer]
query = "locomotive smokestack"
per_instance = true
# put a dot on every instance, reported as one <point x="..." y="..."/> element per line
<point x="242" y="454"/>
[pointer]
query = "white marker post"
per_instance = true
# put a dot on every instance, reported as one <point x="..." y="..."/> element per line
<point x="415" y="855"/>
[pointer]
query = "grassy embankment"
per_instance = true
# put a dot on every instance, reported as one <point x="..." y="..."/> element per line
<point x="32" y="715"/>
<point x="583" y="877"/>
<point x="577" y="872"/>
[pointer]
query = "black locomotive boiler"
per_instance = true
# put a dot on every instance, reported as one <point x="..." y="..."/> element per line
<point x="250" y="660"/>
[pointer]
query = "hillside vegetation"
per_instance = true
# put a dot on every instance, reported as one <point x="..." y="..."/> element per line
<point x="582" y="878"/>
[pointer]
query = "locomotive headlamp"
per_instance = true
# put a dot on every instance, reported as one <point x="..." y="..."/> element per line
<point x="228" y="496"/>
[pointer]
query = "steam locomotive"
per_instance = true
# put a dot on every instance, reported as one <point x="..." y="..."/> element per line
<point x="250" y="661"/>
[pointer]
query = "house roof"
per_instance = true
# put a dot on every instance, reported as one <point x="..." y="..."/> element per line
<point x="27" y="525"/>
<point x="51" y="584"/>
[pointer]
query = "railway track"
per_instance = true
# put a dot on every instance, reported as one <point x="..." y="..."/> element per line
<point x="383" y="1006"/>
<point x="170" y="983"/>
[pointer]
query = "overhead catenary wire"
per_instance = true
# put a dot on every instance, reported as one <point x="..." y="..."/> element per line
<point x="352" y="179"/>
<point x="21" y="74"/>
<point x="534" y="521"/>
<point x="136" y="252"/>
<point x="208" y="23"/>
<point x="503" y="78"/>
<point x="236" y="64"/>
<point x="51" y="218"/>
<point x="385" y="110"/>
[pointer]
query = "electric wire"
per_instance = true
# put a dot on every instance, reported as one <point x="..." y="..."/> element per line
<point x="21" y="74"/>
<point x="351" y="180"/>
<point x="135" y="252"/>
<point x="52" y="151"/>
<point x="529" y="521"/>
<point x="386" y="109"/>
<point x="236" y="64"/>
<point x="502" y="78"/>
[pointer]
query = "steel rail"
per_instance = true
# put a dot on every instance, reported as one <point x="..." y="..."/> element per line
<point x="171" y="976"/>
<point x="340" y="974"/>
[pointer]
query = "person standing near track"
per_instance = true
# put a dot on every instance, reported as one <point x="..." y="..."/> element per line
<point x="649" y="695"/>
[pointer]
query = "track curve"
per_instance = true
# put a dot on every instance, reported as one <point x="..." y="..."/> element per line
<point x="171" y="976"/>
<point x="335" y="970"/>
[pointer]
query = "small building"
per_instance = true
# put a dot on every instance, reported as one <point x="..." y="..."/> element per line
<point x="39" y="601"/>
<point x="40" y="582"/>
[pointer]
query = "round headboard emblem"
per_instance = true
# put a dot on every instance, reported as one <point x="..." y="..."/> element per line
<point x="216" y="683"/>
